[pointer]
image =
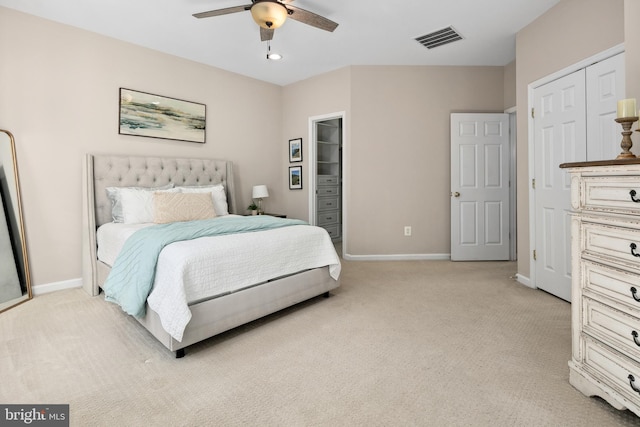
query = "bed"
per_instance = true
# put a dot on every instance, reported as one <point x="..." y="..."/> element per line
<point x="222" y="300"/>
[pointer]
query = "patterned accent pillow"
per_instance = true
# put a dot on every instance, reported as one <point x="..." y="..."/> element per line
<point x="174" y="207"/>
<point x="217" y="192"/>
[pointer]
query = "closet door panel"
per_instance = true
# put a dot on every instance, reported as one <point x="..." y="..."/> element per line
<point x="605" y="86"/>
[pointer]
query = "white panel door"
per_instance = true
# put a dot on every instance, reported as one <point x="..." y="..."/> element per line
<point x="479" y="187"/>
<point x="560" y="137"/>
<point x="605" y="86"/>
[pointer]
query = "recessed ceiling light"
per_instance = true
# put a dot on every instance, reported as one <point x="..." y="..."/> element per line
<point x="272" y="56"/>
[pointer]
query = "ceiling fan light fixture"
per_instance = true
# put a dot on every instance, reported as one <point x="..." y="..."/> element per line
<point x="269" y="14"/>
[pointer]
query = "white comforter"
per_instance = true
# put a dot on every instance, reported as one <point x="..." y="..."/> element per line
<point x="196" y="270"/>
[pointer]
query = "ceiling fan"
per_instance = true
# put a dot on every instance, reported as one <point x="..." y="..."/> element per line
<point x="271" y="14"/>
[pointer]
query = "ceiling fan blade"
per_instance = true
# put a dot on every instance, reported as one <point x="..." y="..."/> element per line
<point x="311" y="18"/>
<point x="266" y="34"/>
<point x="224" y="11"/>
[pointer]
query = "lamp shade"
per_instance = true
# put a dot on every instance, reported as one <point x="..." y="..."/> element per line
<point x="260" y="192"/>
<point x="269" y="14"/>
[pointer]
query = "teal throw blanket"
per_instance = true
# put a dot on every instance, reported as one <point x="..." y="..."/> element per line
<point x="131" y="278"/>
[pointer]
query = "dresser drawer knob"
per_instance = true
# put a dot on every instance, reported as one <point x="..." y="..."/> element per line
<point x="633" y="250"/>
<point x="632" y="193"/>
<point x="633" y="293"/>
<point x="632" y="380"/>
<point x="634" y="334"/>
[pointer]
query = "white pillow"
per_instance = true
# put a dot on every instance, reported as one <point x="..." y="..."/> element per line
<point x="113" y="194"/>
<point x="137" y="204"/>
<point x="217" y="193"/>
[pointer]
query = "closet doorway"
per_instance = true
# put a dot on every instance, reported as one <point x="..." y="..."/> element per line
<point x="326" y="178"/>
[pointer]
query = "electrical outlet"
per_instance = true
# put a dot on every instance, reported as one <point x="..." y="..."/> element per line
<point x="407" y="230"/>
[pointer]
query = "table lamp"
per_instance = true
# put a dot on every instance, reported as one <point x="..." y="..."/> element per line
<point x="259" y="193"/>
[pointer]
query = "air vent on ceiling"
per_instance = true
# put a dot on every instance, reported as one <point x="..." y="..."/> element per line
<point x="439" y="38"/>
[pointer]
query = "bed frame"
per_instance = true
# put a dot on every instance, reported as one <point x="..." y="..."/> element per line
<point x="209" y="317"/>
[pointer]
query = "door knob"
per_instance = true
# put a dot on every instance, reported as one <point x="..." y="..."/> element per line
<point x="456" y="194"/>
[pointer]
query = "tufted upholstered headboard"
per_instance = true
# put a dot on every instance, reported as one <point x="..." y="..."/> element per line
<point x="128" y="171"/>
<point x="102" y="171"/>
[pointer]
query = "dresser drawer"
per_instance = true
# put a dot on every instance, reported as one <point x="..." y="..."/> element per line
<point x="617" y="285"/>
<point x="328" y="191"/>
<point x="328" y="203"/>
<point x="618" y="372"/>
<point x="613" y="327"/>
<point x="617" y="245"/>
<point x="328" y="217"/>
<point x="612" y="194"/>
<point x="327" y="179"/>
<point x="333" y="230"/>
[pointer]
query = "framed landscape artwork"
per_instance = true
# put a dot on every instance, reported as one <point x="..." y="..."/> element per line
<point x="295" y="150"/>
<point x="155" y="116"/>
<point x="295" y="177"/>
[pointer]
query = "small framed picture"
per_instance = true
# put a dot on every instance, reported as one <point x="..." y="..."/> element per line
<point x="295" y="177"/>
<point x="295" y="150"/>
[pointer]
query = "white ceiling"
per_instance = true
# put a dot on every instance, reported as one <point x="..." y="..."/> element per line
<point x="372" y="32"/>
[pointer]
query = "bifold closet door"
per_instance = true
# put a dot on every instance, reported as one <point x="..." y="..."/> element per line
<point x="573" y="121"/>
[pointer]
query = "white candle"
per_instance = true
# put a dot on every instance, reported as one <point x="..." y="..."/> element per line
<point x="627" y="107"/>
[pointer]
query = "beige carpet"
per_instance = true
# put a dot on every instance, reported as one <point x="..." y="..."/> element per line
<point x="430" y="343"/>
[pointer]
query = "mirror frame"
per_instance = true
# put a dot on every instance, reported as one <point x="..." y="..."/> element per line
<point x="27" y="275"/>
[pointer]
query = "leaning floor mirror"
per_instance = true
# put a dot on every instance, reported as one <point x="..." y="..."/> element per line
<point x="15" y="283"/>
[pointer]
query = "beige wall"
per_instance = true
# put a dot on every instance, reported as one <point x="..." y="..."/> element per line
<point x="397" y="147"/>
<point x="325" y="94"/>
<point x="571" y="31"/>
<point x="400" y="151"/>
<point x="632" y="57"/>
<point x="510" y="85"/>
<point x="59" y="96"/>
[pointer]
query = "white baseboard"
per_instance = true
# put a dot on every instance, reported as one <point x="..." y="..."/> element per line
<point x="525" y="281"/>
<point x="77" y="283"/>
<point x="398" y="257"/>
<point x="56" y="286"/>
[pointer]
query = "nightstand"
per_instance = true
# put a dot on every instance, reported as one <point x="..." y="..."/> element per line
<point x="270" y="214"/>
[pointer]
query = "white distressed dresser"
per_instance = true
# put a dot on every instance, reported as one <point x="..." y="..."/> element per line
<point x="605" y="310"/>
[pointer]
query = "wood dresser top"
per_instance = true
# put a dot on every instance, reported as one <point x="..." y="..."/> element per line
<point x="614" y="162"/>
